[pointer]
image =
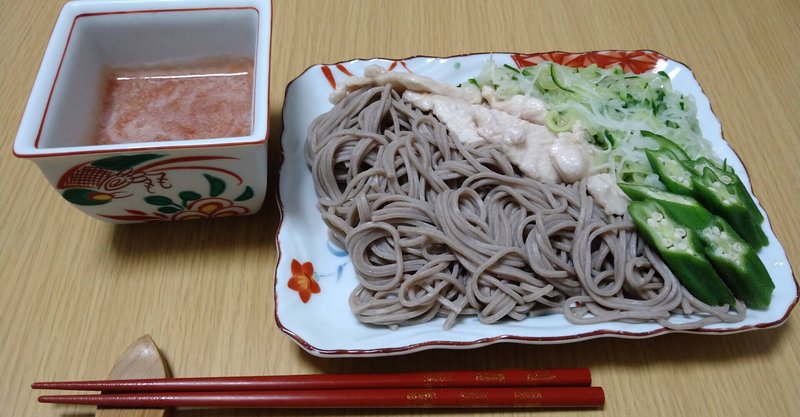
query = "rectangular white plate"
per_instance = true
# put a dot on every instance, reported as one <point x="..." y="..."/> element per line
<point x="324" y="326"/>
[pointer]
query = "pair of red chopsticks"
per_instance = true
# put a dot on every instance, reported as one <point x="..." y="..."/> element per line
<point x="504" y="388"/>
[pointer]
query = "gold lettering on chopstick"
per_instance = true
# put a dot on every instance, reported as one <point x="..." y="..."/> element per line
<point x="421" y="398"/>
<point x="436" y="380"/>
<point x="473" y="398"/>
<point x="540" y="376"/>
<point x="490" y="377"/>
<point x="528" y="397"/>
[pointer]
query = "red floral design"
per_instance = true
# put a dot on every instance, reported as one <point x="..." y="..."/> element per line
<point x="326" y="71"/>
<point x="636" y="62"/>
<point x="206" y="208"/>
<point x="303" y="280"/>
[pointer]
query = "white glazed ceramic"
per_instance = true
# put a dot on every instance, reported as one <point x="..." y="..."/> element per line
<point x="322" y="323"/>
<point x="153" y="181"/>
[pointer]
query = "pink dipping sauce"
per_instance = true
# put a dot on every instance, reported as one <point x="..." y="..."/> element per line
<point x="200" y="100"/>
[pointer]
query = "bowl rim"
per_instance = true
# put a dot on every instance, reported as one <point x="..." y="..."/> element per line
<point x="32" y="120"/>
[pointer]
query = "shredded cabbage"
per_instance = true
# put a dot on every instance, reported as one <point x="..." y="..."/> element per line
<point x="612" y="106"/>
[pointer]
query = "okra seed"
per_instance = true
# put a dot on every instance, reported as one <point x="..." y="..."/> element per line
<point x="713" y="232"/>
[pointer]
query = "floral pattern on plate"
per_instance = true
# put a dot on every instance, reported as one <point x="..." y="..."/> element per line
<point x="303" y="280"/>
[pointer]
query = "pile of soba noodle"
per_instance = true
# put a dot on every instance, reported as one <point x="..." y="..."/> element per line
<point x="436" y="228"/>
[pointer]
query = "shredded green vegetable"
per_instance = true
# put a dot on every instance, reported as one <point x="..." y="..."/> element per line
<point x="612" y="106"/>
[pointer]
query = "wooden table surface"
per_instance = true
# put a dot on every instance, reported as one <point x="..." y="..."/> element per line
<point x="75" y="292"/>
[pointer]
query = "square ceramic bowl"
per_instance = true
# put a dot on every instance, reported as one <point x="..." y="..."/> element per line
<point x="159" y="180"/>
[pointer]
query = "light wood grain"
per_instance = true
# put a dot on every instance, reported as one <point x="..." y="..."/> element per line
<point x="75" y="292"/>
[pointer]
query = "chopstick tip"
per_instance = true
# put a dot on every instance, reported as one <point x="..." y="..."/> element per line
<point x="46" y="399"/>
<point x="601" y="397"/>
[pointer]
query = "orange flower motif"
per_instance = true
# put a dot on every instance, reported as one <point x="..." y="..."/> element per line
<point x="303" y="281"/>
<point x="209" y="207"/>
